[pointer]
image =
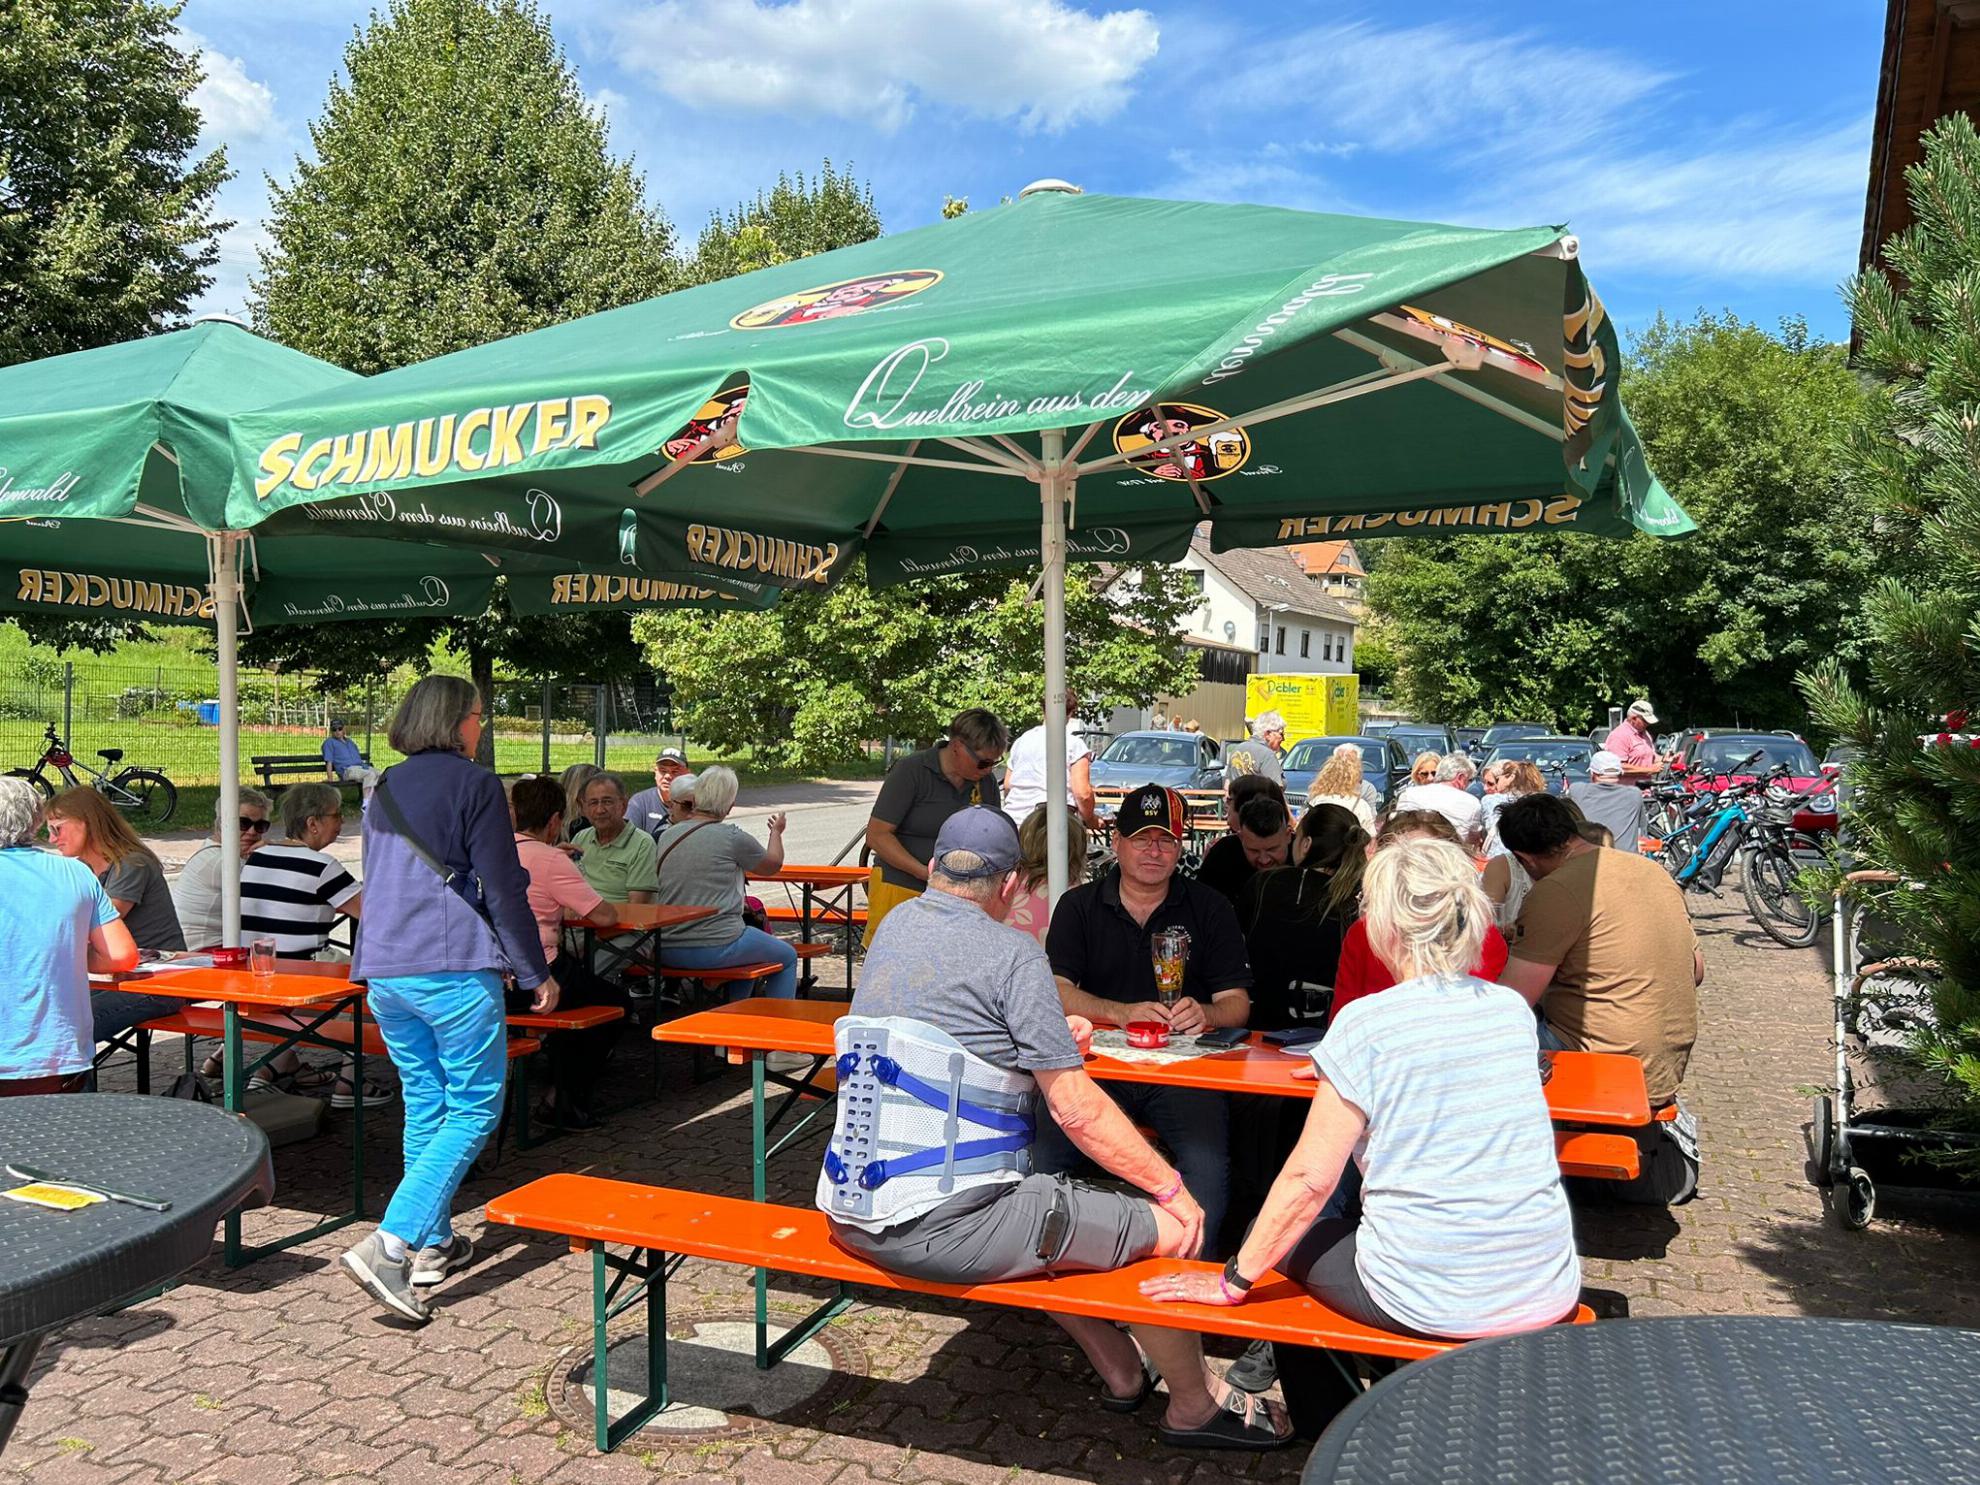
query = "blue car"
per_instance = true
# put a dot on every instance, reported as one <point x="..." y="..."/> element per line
<point x="1382" y="765"/>
<point x="1181" y="760"/>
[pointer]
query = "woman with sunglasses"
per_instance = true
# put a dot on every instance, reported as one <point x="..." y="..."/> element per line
<point x="196" y="892"/>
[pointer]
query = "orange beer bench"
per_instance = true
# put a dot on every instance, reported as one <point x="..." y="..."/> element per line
<point x="661" y="1226"/>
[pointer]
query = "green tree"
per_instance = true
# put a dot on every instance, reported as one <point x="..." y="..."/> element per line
<point x="1916" y="460"/>
<point x="794" y="219"/>
<point x="106" y="218"/>
<point x="807" y="682"/>
<point x="461" y="191"/>
<point x="1740" y="425"/>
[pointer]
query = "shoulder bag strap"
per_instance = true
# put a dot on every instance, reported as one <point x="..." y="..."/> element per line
<point x="675" y="842"/>
<point x="451" y="879"/>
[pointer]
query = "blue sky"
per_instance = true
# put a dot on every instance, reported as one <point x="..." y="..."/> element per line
<point x="1709" y="156"/>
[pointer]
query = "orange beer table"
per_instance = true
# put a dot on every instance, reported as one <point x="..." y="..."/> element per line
<point x="644" y="921"/>
<point x="825" y="896"/>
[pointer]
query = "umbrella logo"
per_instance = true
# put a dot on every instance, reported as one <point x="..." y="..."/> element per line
<point x="849" y="296"/>
<point x="719" y="415"/>
<point x="1515" y="356"/>
<point x="1223" y="452"/>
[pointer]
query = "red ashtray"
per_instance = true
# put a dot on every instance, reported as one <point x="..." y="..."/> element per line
<point x="1147" y="1034"/>
<point x="229" y="958"/>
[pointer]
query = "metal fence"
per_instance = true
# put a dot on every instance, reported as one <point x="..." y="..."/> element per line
<point x="167" y="717"/>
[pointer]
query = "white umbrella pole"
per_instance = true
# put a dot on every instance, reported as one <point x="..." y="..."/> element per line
<point x="1052" y="552"/>
<point x="226" y="622"/>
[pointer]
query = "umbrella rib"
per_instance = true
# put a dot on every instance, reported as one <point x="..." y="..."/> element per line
<point x="1356" y="386"/>
<point x="1072" y="454"/>
<point x="712" y="439"/>
<point x="1464" y="389"/>
<point x="887" y="495"/>
<point x="1020" y="465"/>
<point x="834" y="452"/>
<point x="1024" y="455"/>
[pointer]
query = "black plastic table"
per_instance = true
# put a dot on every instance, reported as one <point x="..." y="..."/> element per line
<point x="56" y="1267"/>
<point x="1713" y="1400"/>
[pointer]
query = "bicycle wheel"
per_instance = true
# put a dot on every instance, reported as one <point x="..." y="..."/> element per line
<point x="1678" y="848"/>
<point x="146" y="798"/>
<point x="1767" y="875"/>
<point x="1664" y="820"/>
<point x="46" y="789"/>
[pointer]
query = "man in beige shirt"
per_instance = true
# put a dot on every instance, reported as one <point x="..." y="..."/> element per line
<point x="1604" y="947"/>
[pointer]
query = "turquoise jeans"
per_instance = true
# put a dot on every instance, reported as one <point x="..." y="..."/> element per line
<point x="448" y="1037"/>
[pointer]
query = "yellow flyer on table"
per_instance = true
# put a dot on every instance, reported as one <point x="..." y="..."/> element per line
<point x="60" y="1198"/>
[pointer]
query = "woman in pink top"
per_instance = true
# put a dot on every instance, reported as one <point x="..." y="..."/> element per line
<point x="558" y="890"/>
<point x="1031" y="911"/>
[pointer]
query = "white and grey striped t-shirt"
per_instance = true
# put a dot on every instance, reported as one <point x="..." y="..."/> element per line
<point x="1465" y="1230"/>
<point x="291" y="894"/>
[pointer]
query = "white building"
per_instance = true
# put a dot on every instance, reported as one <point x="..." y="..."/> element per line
<point x="1262" y="600"/>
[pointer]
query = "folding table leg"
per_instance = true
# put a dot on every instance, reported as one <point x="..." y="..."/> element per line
<point x="650" y="1267"/>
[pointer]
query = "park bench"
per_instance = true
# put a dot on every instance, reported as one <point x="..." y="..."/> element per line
<point x="286" y="764"/>
<point x="661" y="1226"/>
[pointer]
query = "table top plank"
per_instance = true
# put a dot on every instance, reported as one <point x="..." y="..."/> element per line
<point x="294" y="983"/>
<point x="1585" y="1087"/>
<point x="816" y="876"/>
<point x="648" y="917"/>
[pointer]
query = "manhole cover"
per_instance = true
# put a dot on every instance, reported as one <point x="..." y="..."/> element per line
<point x="713" y="1385"/>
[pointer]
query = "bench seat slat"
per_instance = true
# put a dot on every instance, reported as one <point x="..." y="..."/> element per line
<point x="210" y="1021"/>
<point x="1605" y="1157"/>
<point x="592" y="1209"/>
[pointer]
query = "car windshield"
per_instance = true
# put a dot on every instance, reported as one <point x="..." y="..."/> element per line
<point x="1511" y="732"/>
<point x="1413" y="743"/>
<point x="1548" y="754"/>
<point x="1717" y="754"/>
<point x="1311" y="756"/>
<point x="1151" y="752"/>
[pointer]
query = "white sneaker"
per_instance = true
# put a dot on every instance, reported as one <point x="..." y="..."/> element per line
<point x="385" y="1281"/>
<point x="788" y="1062"/>
<point x="431" y="1265"/>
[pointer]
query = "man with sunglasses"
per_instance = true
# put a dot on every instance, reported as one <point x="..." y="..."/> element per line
<point x="1100" y="946"/>
<point x="921" y="791"/>
<point x="196" y="892"/>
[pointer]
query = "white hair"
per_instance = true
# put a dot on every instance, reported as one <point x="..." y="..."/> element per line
<point x="1425" y="910"/>
<point x="250" y="798"/>
<point x="1455" y="766"/>
<point x="20" y="811"/>
<point x="715" y="791"/>
<point x="1266" y="722"/>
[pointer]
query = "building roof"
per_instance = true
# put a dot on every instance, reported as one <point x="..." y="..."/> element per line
<point x="1270" y="575"/>
<point x="1324" y="558"/>
<point x="1931" y="67"/>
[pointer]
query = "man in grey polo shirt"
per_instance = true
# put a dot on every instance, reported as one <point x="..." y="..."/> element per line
<point x="946" y="960"/>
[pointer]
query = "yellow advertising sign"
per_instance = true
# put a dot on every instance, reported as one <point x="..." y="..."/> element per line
<point x="1313" y="705"/>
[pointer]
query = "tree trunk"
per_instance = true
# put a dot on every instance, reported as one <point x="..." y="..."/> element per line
<point x="481" y="669"/>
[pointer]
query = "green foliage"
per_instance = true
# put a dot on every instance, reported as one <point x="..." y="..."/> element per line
<point x="106" y="225"/>
<point x="806" y="683"/>
<point x="794" y="219"/>
<point x="461" y="191"/>
<point x="1916" y="462"/>
<point x="1740" y="425"/>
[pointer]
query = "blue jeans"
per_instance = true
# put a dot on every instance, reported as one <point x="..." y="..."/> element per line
<point x="448" y="1038"/>
<point x="1195" y="1125"/>
<point x="753" y="946"/>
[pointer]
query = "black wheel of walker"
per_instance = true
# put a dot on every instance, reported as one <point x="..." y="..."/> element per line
<point x="1859" y="1199"/>
<point x="1822" y="1135"/>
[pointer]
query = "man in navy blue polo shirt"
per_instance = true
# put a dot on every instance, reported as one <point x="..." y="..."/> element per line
<point x="1102" y="956"/>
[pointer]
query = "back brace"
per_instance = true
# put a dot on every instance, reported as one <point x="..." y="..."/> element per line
<point x="920" y="1119"/>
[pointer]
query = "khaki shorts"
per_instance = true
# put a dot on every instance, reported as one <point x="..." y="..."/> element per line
<point x="997" y="1232"/>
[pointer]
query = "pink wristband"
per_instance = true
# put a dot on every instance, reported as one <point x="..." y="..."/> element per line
<point x="1235" y="1296"/>
<point x="1171" y="1194"/>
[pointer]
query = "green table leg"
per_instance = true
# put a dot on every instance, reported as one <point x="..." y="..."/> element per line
<point x="758" y="1189"/>
<point x="357" y="1111"/>
<point x="232" y="1090"/>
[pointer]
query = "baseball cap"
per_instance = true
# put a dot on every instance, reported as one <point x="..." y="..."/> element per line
<point x="986" y="834"/>
<point x="1641" y="708"/>
<point x="1605" y="762"/>
<point x="671" y="755"/>
<point x="1151" y="807"/>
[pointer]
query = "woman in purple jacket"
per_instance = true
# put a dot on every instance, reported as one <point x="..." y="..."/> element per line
<point x="438" y="936"/>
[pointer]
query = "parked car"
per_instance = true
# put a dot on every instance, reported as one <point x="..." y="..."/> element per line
<point x="1561" y="760"/>
<point x="1471" y="739"/>
<point x="1706" y="755"/>
<point x="1181" y="760"/>
<point x="1505" y="732"/>
<point x="1422" y="737"/>
<point x="1381" y="765"/>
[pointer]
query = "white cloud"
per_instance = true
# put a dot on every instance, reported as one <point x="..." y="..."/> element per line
<point x="608" y="104"/>
<point x="232" y="105"/>
<point x="1042" y="64"/>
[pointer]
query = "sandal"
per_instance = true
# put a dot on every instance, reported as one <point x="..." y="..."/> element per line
<point x="1115" y="1404"/>
<point x="1231" y="1427"/>
<point x="344" y="1096"/>
<point x="308" y="1079"/>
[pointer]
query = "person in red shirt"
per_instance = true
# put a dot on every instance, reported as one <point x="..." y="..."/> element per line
<point x="1361" y="972"/>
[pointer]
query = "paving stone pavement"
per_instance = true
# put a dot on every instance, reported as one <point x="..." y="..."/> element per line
<point x="279" y="1372"/>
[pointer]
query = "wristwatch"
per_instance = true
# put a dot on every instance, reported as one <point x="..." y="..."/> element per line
<point x="1235" y="1279"/>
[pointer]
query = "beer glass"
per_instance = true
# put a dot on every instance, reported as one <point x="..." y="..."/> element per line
<point x="1170" y="947"/>
<point x="261" y="958"/>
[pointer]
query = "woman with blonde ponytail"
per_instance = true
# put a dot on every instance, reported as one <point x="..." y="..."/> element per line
<point x="1433" y="1088"/>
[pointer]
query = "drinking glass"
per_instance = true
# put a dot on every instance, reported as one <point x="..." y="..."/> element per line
<point x="1170" y="946"/>
<point x="261" y="958"/>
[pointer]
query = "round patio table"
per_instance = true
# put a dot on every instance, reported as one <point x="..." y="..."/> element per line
<point x="56" y="1267"/>
<point x="1715" y="1400"/>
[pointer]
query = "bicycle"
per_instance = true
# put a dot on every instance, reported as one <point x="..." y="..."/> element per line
<point x="145" y="795"/>
<point x="1716" y="827"/>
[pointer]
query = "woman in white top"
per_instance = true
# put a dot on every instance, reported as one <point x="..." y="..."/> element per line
<point x="1342" y="782"/>
<point x="196" y="890"/>
<point x="1433" y="1089"/>
<point x="1505" y="782"/>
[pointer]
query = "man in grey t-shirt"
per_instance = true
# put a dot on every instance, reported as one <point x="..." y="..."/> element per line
<point x="1261" y="753"/>
<point x="1605" y="799"/>
<point x="946" y="959"/>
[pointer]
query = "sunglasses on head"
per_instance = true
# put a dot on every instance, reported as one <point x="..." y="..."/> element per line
<point x="249" y="827"/>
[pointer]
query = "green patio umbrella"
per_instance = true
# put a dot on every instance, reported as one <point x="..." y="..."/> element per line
<point x="1066" y="375"/>
<point x="113" y="474"/>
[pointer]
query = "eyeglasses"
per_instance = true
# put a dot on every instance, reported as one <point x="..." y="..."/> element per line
<point x="252" y="827"/>
<point x="1154" y="840"/>
<point x="986" y="763"/>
